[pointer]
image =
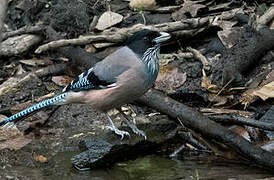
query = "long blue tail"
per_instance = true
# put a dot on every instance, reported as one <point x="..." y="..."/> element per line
<point x="46" y="103"/>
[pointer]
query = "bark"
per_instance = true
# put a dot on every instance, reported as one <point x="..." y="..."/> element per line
<point x="3" y="10"/>
<point x="234" y="119"/>
<point x="243" y="57"/>
<point x="186" y="28"/>
<point x="192" y="119"/>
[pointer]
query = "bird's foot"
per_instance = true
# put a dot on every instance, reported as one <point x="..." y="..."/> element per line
<point x="136" y="130"/>
<point x="132" y="125"/>
<point x="118" y="132"/>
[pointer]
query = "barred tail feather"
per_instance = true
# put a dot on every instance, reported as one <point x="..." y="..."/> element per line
<point x="60" y="99"/>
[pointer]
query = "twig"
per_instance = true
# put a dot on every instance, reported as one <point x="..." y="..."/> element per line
<point x="235" y="119"/>
<point x="37" y="29"/>
<point x="200" y="57"/>
<point x="214" y="111"/>
<point x="266" y="18"/>
<point x="79" y="41"/>
<point x="93" y="23"/>
<point x="188" y="27"/>
<point x="220" y="91"/>
<point x="144" y="18"/>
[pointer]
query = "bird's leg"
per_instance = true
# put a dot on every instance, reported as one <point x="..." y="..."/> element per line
<point x="115" y="129"/>
<point x="132" y="125"/>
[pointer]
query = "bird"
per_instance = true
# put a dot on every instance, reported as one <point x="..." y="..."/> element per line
<point x="118" y="79"/>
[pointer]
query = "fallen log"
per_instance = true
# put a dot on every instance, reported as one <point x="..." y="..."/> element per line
<point x="192" y="119"/>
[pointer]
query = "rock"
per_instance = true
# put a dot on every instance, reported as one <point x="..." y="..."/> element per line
<point x="107" y="148"/>
<point x="189" y="8"/>
<point x="229" y="37"/>
<point x="108" y="19"/>
<point x="14" y="84"/>
<point x="142" y="5"/>
<point x="269" y="118"/>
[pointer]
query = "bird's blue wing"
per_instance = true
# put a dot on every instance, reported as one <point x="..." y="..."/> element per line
<point x="105" y="73"/>
<point x="86" y="81"/>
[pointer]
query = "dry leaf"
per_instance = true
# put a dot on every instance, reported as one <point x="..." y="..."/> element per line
<point x="16" y="143"/>
<point x="247" y="97"/>
<point x="20" y="70"/>
<point x="108" y="19"/>
<point x="265" y="92"/>
<point x="251" y="95"/>
<point x="40" y="158"/>
<point x="90" y="48"/>
<point x="206" y="83"/>
<point x="169" y="78"/>
<point x="241" y="132"/>
<point x="8" y="133"/>
<point x="189" y="8"/>
<point x="61" y="80"/>
<point x="219" y="100"/>
<point x="229" y="37"/>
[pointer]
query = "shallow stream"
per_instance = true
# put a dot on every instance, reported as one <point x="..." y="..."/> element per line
<point x="145" y="168"/>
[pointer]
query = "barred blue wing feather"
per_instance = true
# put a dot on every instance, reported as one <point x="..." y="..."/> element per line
<point x="86" y="81"/>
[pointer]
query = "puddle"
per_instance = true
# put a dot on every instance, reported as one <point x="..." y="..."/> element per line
<point x="145" y="168"/>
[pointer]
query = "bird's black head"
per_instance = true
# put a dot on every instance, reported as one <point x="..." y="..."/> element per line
<point x="140" y="41"/>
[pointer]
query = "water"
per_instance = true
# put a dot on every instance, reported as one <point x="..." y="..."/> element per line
<point x="145" y="168"/>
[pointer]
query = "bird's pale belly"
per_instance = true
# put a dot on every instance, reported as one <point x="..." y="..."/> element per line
<point x="109" y="98"/>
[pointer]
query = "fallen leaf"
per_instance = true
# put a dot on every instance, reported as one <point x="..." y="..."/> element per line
<point x="8" y="133"/>
<point x="108" y="19"/>
<point x="219" y="100"/>
<point x="40" y="158"/>
<point x="241" y="132"/>
<point x="169" y="78"/>
<point x="206" y="83"/>
<point x="20" y="70"/>
<point x="16" y="143"/>
<point x="254" y="92"/>
<point x="265" y="92"/>
<point x="90" y="48"/>
<point x="61" y="80"/>
<point x="189" y="8"/>
<point x="12" y="138"/>
<point x="230" y="36"/>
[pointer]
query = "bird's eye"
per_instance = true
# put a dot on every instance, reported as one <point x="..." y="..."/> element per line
<point x="146" y="38"/>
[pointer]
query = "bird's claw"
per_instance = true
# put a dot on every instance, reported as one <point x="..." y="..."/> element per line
<point x="134" y="128"/>
<point x="118" y="132"/>
<point x="139" y="132"/>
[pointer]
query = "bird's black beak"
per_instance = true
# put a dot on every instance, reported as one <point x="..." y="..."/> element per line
<point x="162" y="38"/>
